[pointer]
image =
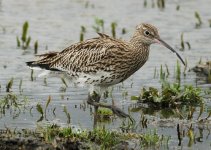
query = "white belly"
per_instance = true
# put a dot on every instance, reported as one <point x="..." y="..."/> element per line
<point x="100" y="78"/>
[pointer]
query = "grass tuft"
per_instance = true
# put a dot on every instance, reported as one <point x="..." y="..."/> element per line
<point x="171" y="95"/>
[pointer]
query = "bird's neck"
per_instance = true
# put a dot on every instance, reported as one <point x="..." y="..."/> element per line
<point x="140" y="49"/>
<point x="139" y="54"/>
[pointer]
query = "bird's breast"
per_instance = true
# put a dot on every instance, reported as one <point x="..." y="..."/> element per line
<point x="98" y="78"/>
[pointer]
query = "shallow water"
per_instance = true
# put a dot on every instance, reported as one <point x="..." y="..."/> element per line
<point x="56" y="25"/>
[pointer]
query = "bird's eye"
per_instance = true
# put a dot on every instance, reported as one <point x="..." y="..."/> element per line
<point x="146" y="32"/>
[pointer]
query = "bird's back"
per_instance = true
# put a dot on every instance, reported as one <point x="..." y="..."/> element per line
<point x="98" y="61"/>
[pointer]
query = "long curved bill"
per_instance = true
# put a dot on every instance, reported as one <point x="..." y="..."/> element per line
<point x="160" y="41"/>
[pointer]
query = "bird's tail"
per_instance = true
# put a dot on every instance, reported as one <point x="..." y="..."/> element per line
<point x="44" y="62"/>
<point x="30" y="64"/>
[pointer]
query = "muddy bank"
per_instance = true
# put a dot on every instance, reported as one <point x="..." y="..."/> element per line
<point x="24" y="140"/>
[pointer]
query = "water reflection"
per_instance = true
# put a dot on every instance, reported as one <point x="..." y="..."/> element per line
<point x="190" y="132"/>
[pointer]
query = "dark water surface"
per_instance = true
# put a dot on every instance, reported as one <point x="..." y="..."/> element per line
<point x="56" y="25"/>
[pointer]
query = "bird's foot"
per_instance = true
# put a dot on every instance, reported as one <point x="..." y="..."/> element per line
<point x="94" y="101"/>
<point x="114" y="109"/>
<point x="118" y="111"/>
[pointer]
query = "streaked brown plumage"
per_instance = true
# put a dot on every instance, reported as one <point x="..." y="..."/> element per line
<point x="103" y="61"/>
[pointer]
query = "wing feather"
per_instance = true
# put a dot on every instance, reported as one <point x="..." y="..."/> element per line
<point x="87" y="56"/>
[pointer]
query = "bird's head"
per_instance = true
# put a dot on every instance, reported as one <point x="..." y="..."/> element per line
<point x="148" y="34"/>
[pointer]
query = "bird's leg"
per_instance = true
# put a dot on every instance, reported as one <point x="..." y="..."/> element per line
<point x="93" y="99"/>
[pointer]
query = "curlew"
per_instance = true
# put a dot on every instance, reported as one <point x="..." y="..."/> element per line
<point x="103" y="61"/>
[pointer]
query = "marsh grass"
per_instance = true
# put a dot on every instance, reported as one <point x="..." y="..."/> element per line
<point x="163" y="73"/>
<point x="20" y="85"/>
<point x="67" y="114"/>
<point x="178" y="7"/>
<point x="198" y="18"/>
<point x="64" y="87"/>
<point x="12" y="103"/>
<point x="178" y="72"/>
<point x="209" y="72"/>
<point x="155" y="73"/>
<point x="9" y="85"/>
<point x="124" y="94"/>
<point x="25" y="40"/>
<point x="167" y="70"/>
<point x="99" y="25"/>
<point x="191" y="136"/>
<point x="209" y="21"/>
<point x="143" y="121"/>
<point x="88" y="4"/>
<point x="151" y="139"/>
<point x="43" y="111"/>
<point x="40" y="110"/>
<point x="102" y="137"/>
<point x="46" y="106"/>
<point x="124" y="31"/>
<point x="190" y="132"/>
<point x="128" y="125"/>
<point x="182" y="43"/>
<point x="160" y="4"/>
<point x="82" y="32"/>
<point x="105" y="138"/>
<point x="104" y="114"/>
<point x="32" y="75"/>
<point x="35" y="47"/>
<point x="45" y="81"/>
<point x="64" y="82"/>
<point x="185" y="68"/>
<point x="98" y="138"/>
<point x="113" y="29"/>
<point x="209" y="77"/>
<point x="145" y="3"/>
